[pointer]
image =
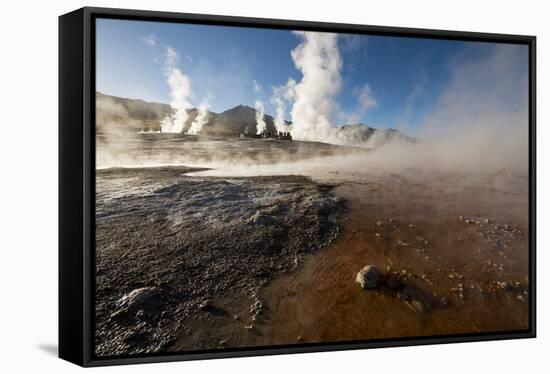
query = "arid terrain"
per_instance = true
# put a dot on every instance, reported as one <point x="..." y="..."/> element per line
<point x="224" y="243"/>
<point x="451" y="248"/>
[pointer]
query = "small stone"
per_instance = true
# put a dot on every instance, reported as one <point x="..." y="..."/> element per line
<point x="418" y="306"/>
<point x="368" y="277"/>
<point x="261" y="219"/>
<point x="256" y="307"/>
<point x="205" y="305"/>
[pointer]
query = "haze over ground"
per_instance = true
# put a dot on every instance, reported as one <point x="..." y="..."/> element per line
<point x="466" y="101"/>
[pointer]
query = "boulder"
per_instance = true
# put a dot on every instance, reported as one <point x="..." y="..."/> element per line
<point x="368" y="277"/>
<point x="140" y="298"/>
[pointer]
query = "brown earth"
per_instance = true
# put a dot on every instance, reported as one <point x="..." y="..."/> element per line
<point x="452" y="250"/>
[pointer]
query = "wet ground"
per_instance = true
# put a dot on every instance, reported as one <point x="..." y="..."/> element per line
<point x="266" y="252"/>
<point x="173" y="251"/>
<point x="453" y="257"/>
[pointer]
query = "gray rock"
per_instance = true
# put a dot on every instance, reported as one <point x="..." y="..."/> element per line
<point x="368" y="277"/>
<point x="140" y="298"/>
<point x="260" y="218"/>
<point x="205" y="305"/>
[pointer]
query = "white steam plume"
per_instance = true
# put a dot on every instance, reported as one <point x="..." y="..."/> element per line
<point x="280" y="96"/>
<point x="318" y="58"/>
<point x="279" y="120"/>
<point x="480" y="122"/>
<point x="180" y="90"/>
<point x="260" y="121"/>
<point x="202" y="117"/>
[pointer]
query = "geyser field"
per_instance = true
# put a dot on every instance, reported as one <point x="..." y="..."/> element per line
<point x="233" y="242"/>
<point x="220" y="226"/>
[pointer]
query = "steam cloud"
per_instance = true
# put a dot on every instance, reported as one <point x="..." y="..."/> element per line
<point x="480" y="121"/>
<point x="201" y="119"/>
<point x="261" y="126"/>
<point x="365" y="97"/>
<point x="280" y="96"/>
<point x="318" y="58"/>
<point x="180" y="91"/>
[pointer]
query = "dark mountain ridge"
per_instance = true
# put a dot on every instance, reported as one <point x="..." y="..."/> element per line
<point x="116" y="114"/>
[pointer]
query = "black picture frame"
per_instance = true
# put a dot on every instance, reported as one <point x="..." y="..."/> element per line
<point x="77" y="176"/>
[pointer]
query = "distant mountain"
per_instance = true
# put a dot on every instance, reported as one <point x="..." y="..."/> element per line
<point x="364" y="135"/>
<point x="120" y="114"/>
<point x="241" y="113"/>
<point x="235" y="121"/>
<point x="116" y="114"/>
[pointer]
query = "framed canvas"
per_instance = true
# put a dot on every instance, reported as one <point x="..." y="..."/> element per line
<point x="236" y="186"/>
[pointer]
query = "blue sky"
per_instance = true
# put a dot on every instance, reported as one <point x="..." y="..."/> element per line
<point x="406" y="76"/>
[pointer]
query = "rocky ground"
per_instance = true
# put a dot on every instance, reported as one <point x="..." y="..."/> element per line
<point x="268" y="251"/>
<point x="175" y="254"/>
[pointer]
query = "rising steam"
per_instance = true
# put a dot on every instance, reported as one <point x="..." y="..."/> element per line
<point x="318" y="59"/>
<point x="180" y="91"/>
<point x="280" y="96"/>
<point x="200" y="120"/>
<point x="261" y="126"/>
<point x="481" y="119"/>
